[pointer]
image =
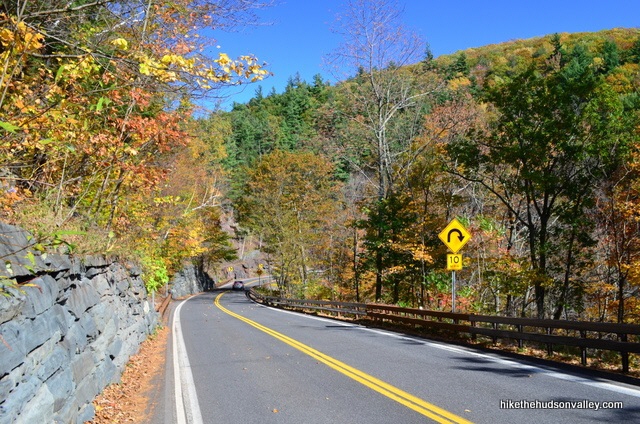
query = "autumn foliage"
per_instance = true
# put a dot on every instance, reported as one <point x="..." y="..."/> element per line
<point x="95" y="117"/>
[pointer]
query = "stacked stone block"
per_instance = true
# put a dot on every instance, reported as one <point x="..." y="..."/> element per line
<point x="66" y="332"/>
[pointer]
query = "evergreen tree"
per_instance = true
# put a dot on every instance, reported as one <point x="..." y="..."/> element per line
<point x="610" y="55"/>
<point x="460" y="67"/>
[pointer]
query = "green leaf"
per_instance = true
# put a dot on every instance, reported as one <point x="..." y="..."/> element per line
<point x="102" y="102"/>
<point x="59" y="73"/>
<point x="8" y="127"/>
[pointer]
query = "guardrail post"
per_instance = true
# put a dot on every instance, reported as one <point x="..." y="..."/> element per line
<point x="495" y="327"/>
<point x="583" y="350"/>
<point x="520" y="328"/>
<point x="549" y="345"/>
<point x="624" y="355"/>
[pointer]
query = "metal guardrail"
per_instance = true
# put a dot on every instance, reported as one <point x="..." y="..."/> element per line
<point x="582" y="334"/>
<point x="338" y="309"/>
<point x="622" y="338"/>
<point x="163" y="306"/>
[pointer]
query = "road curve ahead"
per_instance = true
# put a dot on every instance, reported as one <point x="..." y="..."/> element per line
<point x="239" y="362"/>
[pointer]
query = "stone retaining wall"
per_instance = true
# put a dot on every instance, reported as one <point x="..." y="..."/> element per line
<point x="192" y="279"/>
<point x="67" y="332"/>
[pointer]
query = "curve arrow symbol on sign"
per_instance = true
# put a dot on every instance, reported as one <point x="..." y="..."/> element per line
<point x="455" y="230"/>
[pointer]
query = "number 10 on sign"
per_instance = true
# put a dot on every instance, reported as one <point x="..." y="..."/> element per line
<point x="454" y="262"/>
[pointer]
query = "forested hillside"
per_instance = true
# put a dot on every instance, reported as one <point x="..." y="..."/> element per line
<point x="532" y="144"/>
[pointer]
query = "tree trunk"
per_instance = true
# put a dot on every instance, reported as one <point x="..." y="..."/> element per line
<point x="621" y="284"/>
<point x="567" y="272"/>
<point x="378" y="275"/>
<point x="356" y="276"/>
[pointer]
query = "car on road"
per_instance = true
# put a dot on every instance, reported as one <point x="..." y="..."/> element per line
<point x="238" y="285"/>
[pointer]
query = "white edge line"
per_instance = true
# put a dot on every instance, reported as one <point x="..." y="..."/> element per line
<point x="180" y="413"/>
<point x="187" y="406"/>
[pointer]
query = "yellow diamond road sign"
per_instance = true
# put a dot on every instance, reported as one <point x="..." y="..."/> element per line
<point x="454" y="236"/>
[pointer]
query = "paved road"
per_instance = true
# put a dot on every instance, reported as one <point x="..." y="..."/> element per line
<point x="246" y="363"/>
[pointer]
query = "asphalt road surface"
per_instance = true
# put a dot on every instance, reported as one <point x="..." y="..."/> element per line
<point x="239" y="362"/>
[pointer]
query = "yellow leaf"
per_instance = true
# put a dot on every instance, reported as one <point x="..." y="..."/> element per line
<point x="223" y="59"/>
<point x="144" y="69"/>
<point x="6" y="36"/>
<point x="120" y="43"/>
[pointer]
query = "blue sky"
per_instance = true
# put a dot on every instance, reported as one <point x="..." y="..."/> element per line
<point x="300" y="34"/>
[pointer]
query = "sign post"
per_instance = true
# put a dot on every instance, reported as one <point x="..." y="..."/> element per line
<point x="454" y="236"/>
<point x="260" y="271"/>
<point x="453" y="291"/>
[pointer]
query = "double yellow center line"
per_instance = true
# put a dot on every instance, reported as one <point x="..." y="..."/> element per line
<point x="420" y="406"/>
